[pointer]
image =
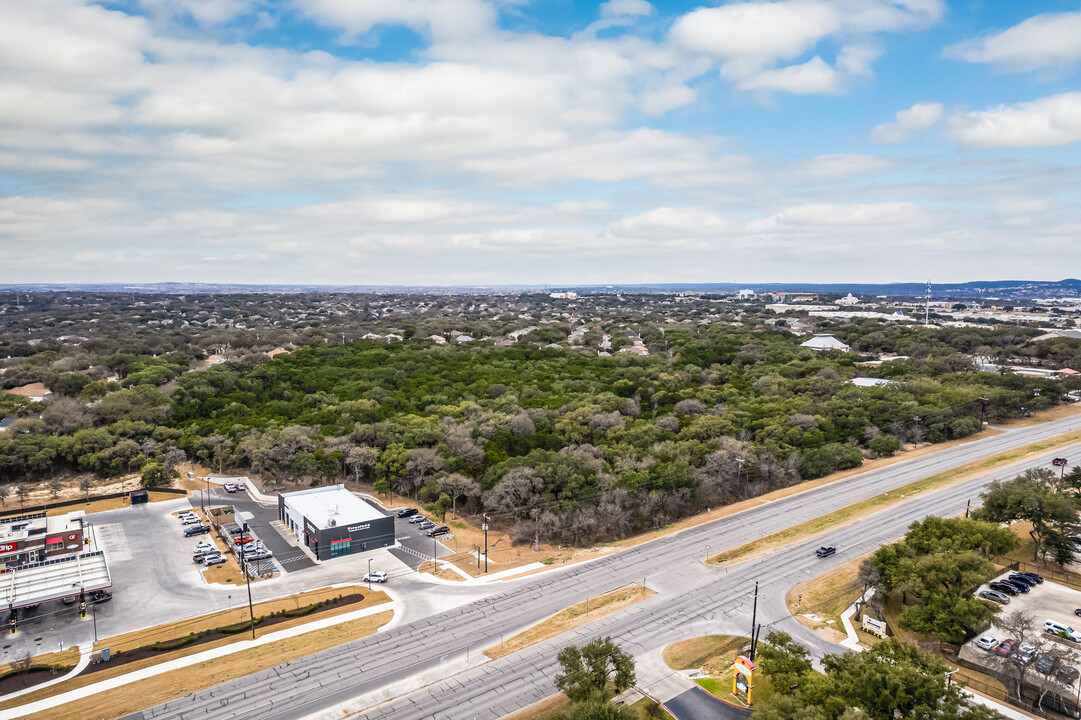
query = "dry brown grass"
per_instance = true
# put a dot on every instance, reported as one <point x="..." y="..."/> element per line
<point x="543" y="709"/>
<point x="714" y="653"/>
<point x="142" y="638"/>
<point x="574" y="616"/>
<point x="1056" y="413"/>
<point x="857" y="510"/>
<point x="827" y="595"/>
<point x="153" y="691"/>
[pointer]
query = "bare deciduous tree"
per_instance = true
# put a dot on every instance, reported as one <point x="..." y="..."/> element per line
<point x="521" y="425"/>
<point x="460" y="441"/>
<point x="518" y="492"/>
<point x="456" y="486"/>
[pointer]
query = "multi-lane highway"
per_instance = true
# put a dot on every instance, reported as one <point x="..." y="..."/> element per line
<point x="431" y="667"/>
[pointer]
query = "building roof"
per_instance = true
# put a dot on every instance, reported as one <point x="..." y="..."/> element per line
<point x="824" y="341"/>
<point x="322" y="505"/>
<point x="7" y="422"/>
<point x="869" y="382"/>
<point x="1071" y="334"/>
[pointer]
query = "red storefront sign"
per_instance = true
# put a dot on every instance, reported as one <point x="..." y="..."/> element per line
<point x="8" y="547"/>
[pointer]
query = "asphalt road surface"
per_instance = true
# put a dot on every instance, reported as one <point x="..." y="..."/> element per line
<point x="697" y="704"/>
<point x="433" y="662"/>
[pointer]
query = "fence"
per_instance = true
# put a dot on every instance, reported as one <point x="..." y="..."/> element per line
<point x="82" y="501"/>
<point x="1063" y="577"/>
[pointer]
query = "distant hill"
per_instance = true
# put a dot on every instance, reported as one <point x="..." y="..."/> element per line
<point x="1005" y="289"/>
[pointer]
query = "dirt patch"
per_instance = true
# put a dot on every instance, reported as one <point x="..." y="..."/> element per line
<point x="544" y="709"/>
<point x="574" y="616"/>
<point x="834" y="636"/>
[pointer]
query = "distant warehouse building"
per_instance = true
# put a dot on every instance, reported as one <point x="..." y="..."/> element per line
<point x="332" y="521"/>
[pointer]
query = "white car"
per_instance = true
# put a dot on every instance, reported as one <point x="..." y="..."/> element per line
<point x="185" y="513"/>
<point x="189" y="520"/>
<point x="376" y="577"/>
<point x="417" y="519"/>
<point x="987" y="642"/>
<point x="230" y="487"/>
<point x="203" y="547"/>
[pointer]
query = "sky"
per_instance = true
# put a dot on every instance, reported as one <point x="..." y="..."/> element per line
<point x="492" y="142"/>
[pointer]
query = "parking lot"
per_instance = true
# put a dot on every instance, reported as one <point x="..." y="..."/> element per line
<point x="1046" y="601"/>
<point x="416" y="548"/>
<point x="155" y="581"/>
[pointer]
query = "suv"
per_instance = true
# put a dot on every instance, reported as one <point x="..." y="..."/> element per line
<point x="407" y="512"/>
<point x="417" y="519"/>
<point x="196" y="530"/>
<point x="377" y="577"/>
<point x="230" y="487"/>
<point x="825" y="551"/>
<point x="212" y="560"/>
<point x="436" y="531"/>
<point x="1003" y="587"/>
<point x="203" y="546"/>
<point x="1019" y="579"/>
<point x="1059" y="629"/>
<point x="242" y="539"/>
<point x="189" y="520"/>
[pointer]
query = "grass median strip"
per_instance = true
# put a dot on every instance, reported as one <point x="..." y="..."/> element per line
<point x="849" y="512"/>
<point x="574" y="616"/>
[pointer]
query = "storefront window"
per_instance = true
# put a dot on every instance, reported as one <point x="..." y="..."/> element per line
<point x="340" y="548"/>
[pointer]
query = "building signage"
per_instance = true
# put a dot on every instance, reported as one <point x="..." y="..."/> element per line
<point x="744" y="666"/>
<point x="355" y="528"/>
<point x="8" y="547"/>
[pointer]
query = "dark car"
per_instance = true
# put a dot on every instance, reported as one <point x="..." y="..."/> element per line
<point x="442" y="530"/>
<point x="1003" y="588"/>
<point x="825" y="551"/>
<point x="196" y="530"/>
<point x="407" y="512"/>
<point x="1045" y="664"/>
<point x="1019" y="579"/>
<point x="1035" y="576"/>
<point x="1067" y="674"/>
<point x="100" y="596"/>
<point x="1021" y="587"/>
<point x="1006" y="647"/>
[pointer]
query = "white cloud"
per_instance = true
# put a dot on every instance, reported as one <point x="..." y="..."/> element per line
<point x="749" y="39"/>
<point x="1049" y="40"/>
<point x="668" y="223"/>
<point x="621" y="8"/>
<point x="443" y="19"/>
<point x="812" y="77"/>
<point x="918" y="117"/>
<point x="204" y="12"/>
<point x="1047" y="122"/>
<point x="825" y="215"/>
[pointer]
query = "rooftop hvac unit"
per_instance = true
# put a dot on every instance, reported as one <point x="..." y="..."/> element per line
<point x="332" y="522"/>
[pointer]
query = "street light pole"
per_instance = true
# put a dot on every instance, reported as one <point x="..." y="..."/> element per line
<point x="244" y="568"/>
<point x="707" y="553"/>
<point x="369" y="574"/>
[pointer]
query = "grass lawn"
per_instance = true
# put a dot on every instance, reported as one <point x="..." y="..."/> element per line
<point x="574" y="616"/>
<point x="865" y="507"/>
<point x="712" y="653"/>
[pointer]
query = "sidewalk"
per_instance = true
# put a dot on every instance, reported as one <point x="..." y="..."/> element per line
<point x="183" y="662"/>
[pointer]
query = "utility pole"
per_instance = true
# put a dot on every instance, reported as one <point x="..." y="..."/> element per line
<point x="485" y="527"/>
<point x="244" y="568"/>
<point x="754" y="617"/>
<point x="967" y="506"/>
<point x="983" y="411"/>
<point x="369" y="574"/>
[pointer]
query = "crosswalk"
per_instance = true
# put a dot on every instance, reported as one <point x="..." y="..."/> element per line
<point x="114" y="541"/>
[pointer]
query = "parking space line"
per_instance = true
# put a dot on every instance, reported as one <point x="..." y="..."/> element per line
<point x="114" y="541"/>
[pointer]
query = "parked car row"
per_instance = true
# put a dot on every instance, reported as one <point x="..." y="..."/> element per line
<point x="430" y="528"/>
<point x="1046" y="663"/>
<point x="1017" y="583"/>
<point x="192" y="524"/>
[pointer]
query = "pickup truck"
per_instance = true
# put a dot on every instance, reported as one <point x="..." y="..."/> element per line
<point x="825" y="551"/>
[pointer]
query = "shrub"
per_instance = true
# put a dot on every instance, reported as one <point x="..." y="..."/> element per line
<point x="885" y="445"/>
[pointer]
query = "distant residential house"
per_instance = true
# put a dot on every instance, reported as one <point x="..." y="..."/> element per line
<point x="869" y="382"/>
<point x="1045" y="373"/>
<point x="277" y="351"/>
<point x="883" y="359"/>
<point x="438" y="339"/>
<point x="371" y="336"/>
<point x="6" y="423"/>
<point x="635" y="350"/>
<point x="37" y="392"/>
<point x="394" y="337"/>
<point x="825" y="341"/>
<point x="462" y="339"/>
